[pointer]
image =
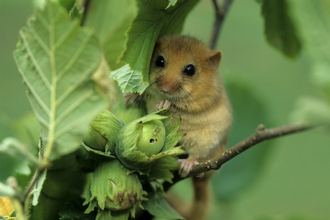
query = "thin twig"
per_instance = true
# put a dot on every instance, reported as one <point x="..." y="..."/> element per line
<point x="35" y="179"/>
<point x="220" y="14"/>
<point x="41" y="167"/>
<point x="260" y="135"/>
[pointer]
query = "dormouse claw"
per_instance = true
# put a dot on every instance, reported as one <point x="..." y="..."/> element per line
<point x="163" y="104"/>
<point x="186" y="166"/>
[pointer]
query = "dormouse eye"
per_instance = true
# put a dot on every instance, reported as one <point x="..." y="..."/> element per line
<point x="160" y="62"/>
<point x="189" y="70"/>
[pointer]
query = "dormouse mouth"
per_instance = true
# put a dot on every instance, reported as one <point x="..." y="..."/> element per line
<point x="168" y="94"/>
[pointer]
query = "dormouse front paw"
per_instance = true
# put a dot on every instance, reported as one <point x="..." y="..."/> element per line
<point x="186" y="166"/>
<point x="163" y="104"/>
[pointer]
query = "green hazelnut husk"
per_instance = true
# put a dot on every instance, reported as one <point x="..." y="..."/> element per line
<point x="140" y="143"/>
<point x="152" y="138"/>
<point x="131" y="149"/>
<point x="112" y="188"/>
<point x="103" y="131"/>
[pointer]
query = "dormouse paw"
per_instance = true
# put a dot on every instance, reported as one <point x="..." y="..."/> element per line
<point x="163" y="104"/>
<point x="186" y="166"/>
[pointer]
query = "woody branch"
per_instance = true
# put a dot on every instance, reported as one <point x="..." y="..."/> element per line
<point x="260" y="135"/>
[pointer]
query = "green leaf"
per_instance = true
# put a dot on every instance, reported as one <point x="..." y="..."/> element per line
<point x="64" y="181"/>
<point x="158" y="207"/>
<point x="173" y="135"/>
<point x="321" y="75"/>
<point x="239" y="173"/>
<point x="111" y="19"/>
<point x="171" y="3"/>
<point x="13" y="165"/>
<point x="74" y="13"/>
<point x="27" y="129"/>
<point x="152" y="21"/>
<point x="312" y="20"/>
<point x="162" y="168"/>
<point x="38" y="188"/>
<point x="17" y="157"/>
<point x="106" y="155"/>
<point x="16" y="148"/>
<point x="56" y="59"/>
<point x="73" y="210"/>
<point x="6" y="191"/>
<point x="279" y="28"/>
<point x="128" y="79"/>
<point x="67" y="4"/>
<point x="311" y="111"/>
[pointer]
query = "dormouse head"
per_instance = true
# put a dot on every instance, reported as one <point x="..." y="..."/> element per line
<point x="183" y="66"/>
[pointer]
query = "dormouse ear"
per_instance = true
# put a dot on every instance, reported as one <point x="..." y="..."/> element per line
<point x="213" y="58"/>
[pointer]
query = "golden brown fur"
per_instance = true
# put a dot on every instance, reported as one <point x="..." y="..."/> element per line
<point x="199" y="101"/>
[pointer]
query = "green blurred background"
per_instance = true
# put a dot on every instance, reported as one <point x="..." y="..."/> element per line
<point x="293" y="180"/>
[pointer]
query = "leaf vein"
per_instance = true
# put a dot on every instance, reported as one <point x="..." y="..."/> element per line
<point x="76" y="84"/>
<point x="35" y="94"/>
<point x="34" y="62"/>
<point x="70" y="126"/>
<point x="74" y="57"/>
<point x="65" y="36"/>
<point x="72" y="107"/>
<point x="40" y="41"/>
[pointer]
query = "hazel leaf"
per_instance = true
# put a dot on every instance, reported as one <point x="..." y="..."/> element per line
<point x="16" y="148"/>
<point x="311" y="111"/>
<point x="57" y="58"/>
<point x="6" y="191"/>
<point x="162" y="168"/>
<point x="111" y="19"/>
<point x="280" y="30"/>
<point x="38" y="188"/>
<point x="158" y="207"/>
<point x="153" y="20"/>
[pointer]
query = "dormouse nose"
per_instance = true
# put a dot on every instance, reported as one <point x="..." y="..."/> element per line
<point x="167" y="85"/>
